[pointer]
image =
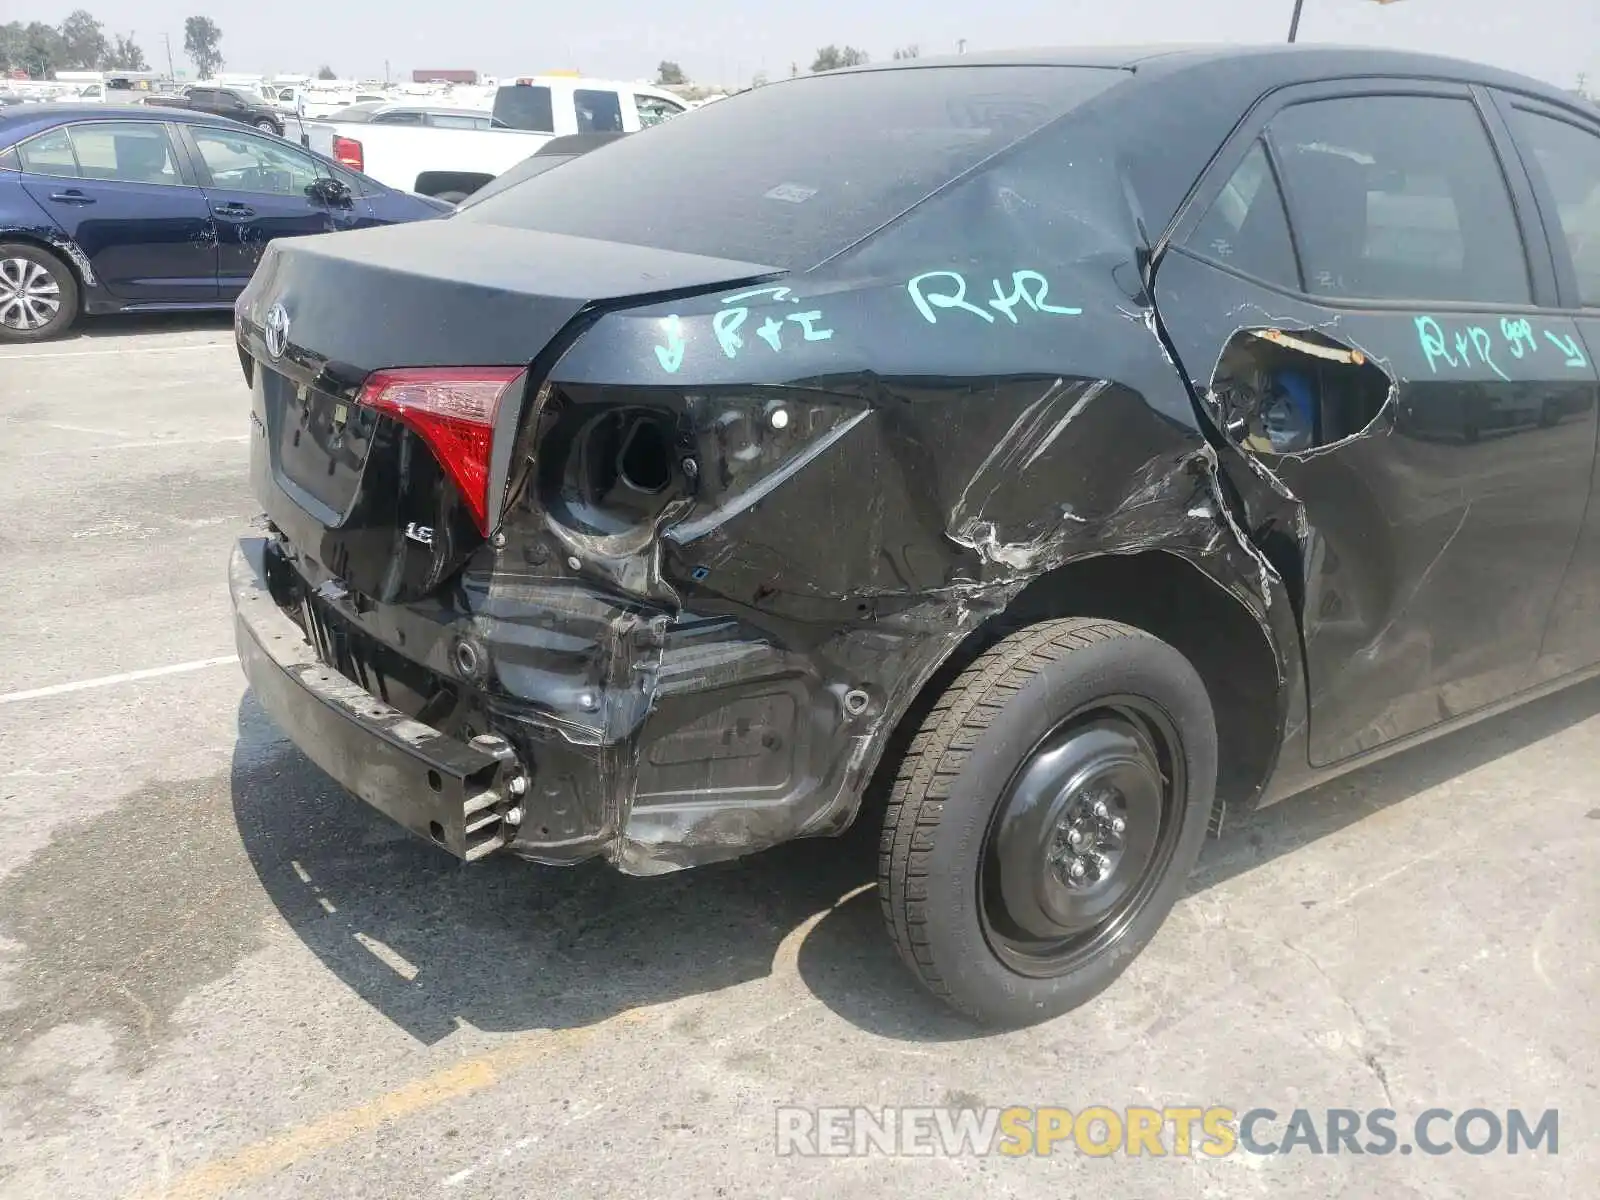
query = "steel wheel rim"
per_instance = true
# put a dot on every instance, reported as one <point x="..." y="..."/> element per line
<point x="30" y="298"/>
<point x="1103" y="788"/>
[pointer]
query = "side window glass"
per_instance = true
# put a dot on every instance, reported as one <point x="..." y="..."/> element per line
<point x="1399" y="198"/>
<point x="598" y="112"/>
<point x="1245" y="228"/>
<point x="1569" y="159"/>
<point x="128" y="152"/>
<point x="524" y="107"/>
<point x="457" y="121"/>
<point x="653" y="110"/>
<point x="397" y="118"/>
<point x="49" y="154"/>
<point x="243" y="162"/>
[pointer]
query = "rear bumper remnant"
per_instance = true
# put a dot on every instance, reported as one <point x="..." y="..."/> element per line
<point x="456" y="794"/>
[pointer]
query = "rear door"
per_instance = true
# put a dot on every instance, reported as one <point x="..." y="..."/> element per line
<point x="260" y="188"/>
<point x="1561" y="149"/>
<point x="125" y="195"/>
<point x="1432" y="410"/>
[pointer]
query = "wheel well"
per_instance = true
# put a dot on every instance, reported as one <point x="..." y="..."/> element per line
<point x="38" y="243"/>
<point x="1208" y="626"/>
<point x="431" y="183"/>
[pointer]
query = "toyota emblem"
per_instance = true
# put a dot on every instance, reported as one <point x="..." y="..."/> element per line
<point x="276" y="330"/>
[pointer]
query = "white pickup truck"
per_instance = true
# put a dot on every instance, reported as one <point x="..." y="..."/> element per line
<point x="451" y="164"/>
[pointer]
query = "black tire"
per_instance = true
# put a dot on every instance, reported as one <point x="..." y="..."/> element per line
<point x="65" y="295"/>
<point x="271" y="127"/>
<point x="1060" y="688"/>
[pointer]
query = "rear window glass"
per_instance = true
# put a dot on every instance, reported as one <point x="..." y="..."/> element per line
<point x="528" y="108"/>
<point x="790" y="174"/>
<point x="598" y="112"/>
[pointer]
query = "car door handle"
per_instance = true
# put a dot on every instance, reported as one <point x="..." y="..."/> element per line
<point x="234" y="212"/>
<point x="71" y="196"/>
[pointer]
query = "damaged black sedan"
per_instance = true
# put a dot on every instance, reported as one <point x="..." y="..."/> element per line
<point x="1061" y="448"/>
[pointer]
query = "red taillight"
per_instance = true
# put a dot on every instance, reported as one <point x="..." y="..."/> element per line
<point x="452" y="409"/>
<point x="348" y="151"/>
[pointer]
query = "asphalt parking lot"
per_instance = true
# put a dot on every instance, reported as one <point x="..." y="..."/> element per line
<point x="221" y="976"/>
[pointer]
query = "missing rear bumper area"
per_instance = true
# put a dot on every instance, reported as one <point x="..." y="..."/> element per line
<point x="461" y="796"/>
<point x="657" y="746"/>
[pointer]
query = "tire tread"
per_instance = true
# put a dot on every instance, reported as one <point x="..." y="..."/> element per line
<point x="934" y="760"/>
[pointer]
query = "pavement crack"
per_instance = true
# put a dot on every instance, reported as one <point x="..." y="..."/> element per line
<point x="1368" y="1057"/>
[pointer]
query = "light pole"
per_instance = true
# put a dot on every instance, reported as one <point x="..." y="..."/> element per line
<point x="1294" y="21"/>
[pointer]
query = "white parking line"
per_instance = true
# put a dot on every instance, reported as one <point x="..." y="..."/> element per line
<point x="83" y="685"/>
<point x="126" y="350"/>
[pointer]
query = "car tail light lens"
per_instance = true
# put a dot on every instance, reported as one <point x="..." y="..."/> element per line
<point x="348" y="152"/>
<point x="452" y="409"/>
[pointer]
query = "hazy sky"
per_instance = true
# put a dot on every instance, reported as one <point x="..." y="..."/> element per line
<point x="727" y="41"/>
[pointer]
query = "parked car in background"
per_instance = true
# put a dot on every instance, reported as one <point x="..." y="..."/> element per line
<point x="453" y="163"/>
<point x="106" y="209"/>
<point x="413" y="113"/>
<point x="225" y="102"/>
<point x="1032" y="451"/>
<point x="549" y="156"/>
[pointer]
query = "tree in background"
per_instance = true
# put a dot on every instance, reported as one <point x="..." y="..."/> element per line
<point x="83" y="42"/>
<point x="125" y="55"/>
<point x="202" y="42"/>
<point x="905" y="52"/>
<point x="326" y="72"/>
<point x="11" y="42"/>
<point x="41" y="50"/>
<point x="831" y="58"/>
<point x="670" y="72"/>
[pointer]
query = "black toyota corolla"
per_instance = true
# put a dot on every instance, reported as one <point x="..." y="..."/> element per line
<point x="1059" y="448"/>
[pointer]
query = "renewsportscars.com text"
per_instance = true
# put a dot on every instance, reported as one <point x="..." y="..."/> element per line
<point x="1214" y="1131"/>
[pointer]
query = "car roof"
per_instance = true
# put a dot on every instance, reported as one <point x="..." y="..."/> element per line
<point x="388" y="106"/>
<point x="1309" y="60"/>
<point x="45" y="115"/>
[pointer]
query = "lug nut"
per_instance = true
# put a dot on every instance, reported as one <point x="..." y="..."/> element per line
<point x="1076" y="869"/>
<point x="1100" y="808"/>
<point x="1118" y="825"/>
<point x="1075" y="837"/>
<point x="575" y="562"/>
<point x="514" y="817"/>
<point x="518" y="785"/>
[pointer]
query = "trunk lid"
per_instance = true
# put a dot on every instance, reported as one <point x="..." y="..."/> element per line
<point x="378" y="506"/>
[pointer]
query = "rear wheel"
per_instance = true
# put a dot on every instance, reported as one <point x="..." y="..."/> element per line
<point x="38" y="293"/>
<point x="267" y="127"/>
<point x="1046" y="816"/>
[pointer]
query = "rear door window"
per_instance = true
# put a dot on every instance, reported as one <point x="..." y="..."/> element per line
<point x="1399" y="198"/>
<point x="597" y="112"/>
<point x="126" y="151"/>
<point x="739" y="181"/>
<point x="1246" y="228"/>
<point x="524" y="107"/>
<point x="1568" y="157"/>
<point x="397" y="118"/>
<point x="49" y="154"/>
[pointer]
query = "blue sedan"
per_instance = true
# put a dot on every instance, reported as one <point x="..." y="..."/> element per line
<point x="106" y="209"/>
